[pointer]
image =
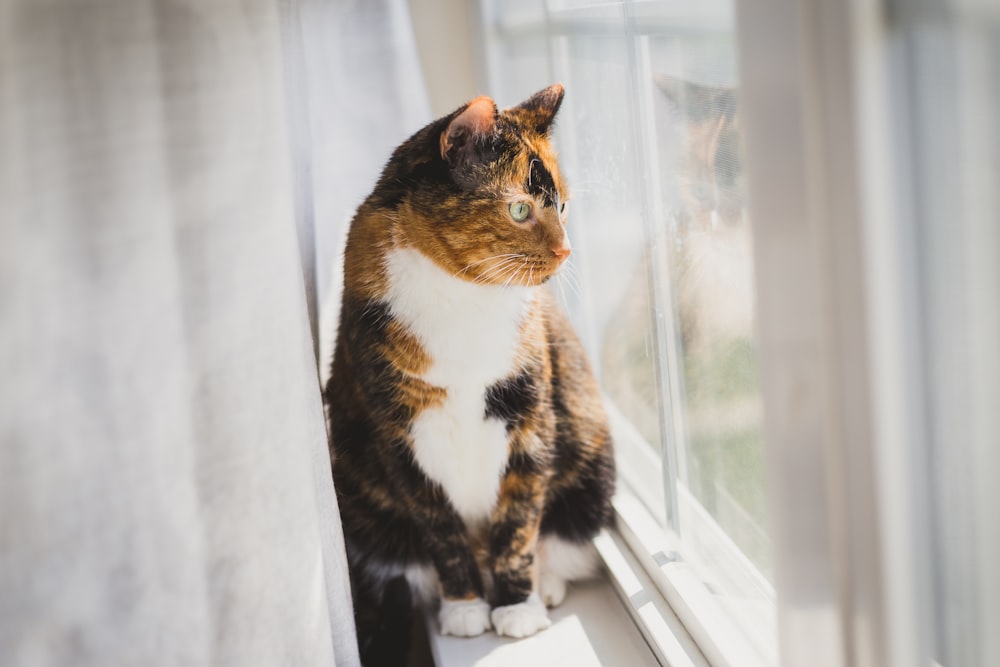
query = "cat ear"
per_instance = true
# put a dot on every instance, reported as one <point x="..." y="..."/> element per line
<point x="540" y="109"/>
<point x="470" y="127"/>
<point x="694" y="98"/>
<point x="685" y="95"/>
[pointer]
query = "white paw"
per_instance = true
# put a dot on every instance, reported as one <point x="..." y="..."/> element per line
<point x="552" y="589"/>
<point x="522" y="619"/>
<point x="464" y="618"/>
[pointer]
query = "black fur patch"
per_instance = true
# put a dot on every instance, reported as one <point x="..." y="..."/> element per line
<point x="416" y="168"/>
<point x="579" y="512"/>
<point x="540" y="182"/>
<point x="389" y="643"/>
<point x="512" y="399"/>
<point x="380" y="378"/>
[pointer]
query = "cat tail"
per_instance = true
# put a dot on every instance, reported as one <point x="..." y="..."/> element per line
<point x="384" y="618"/>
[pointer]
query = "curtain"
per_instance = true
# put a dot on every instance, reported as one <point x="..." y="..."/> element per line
<point x="357" y="91"/>
<point x="167" y="190"/>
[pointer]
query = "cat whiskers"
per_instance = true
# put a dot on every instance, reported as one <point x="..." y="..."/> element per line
<point x="513" y="268"/>
<point x="568" y="276"/>
<point x="564" y="300"/>
<point x="573" y="279"/>
<point x="515" y="271"/>
<point x="511" y="271"/>
<point x="560" y="283"/>
<point x="500" y="270"/>
<point x="477" y="263"/>
<point x="510" y="278"/>
<point x="527" y="270"/>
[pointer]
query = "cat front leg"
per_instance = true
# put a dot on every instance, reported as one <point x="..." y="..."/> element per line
<point x="518" y="611"/>
<point x="464" y="612"/>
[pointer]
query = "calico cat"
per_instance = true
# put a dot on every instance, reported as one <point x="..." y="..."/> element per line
<point x="471" y="453"/>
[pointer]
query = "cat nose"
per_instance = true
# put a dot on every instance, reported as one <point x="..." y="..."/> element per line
<point x="562" y="251"/>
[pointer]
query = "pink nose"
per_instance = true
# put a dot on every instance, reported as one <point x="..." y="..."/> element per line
<point x="562" y="252"/>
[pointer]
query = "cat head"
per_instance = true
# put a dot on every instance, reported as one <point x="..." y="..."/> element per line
<point x="480" y="193"/>
<point x="710" y="172"/>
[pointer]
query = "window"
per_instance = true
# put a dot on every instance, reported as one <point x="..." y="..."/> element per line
<point x="662" y="288"/>
<point x="805" y="398"/>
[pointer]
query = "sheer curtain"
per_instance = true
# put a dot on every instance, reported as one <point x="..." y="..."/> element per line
<point x="357" y="92"/>
<point x="165" y="491"/>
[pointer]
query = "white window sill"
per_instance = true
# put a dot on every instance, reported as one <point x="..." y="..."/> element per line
<point x="622" y="618"/>
<point x="730" y="623"/>
<point x="726" y="605"/>
<point x="591" y="627"/>
<point x="619" y="619"/>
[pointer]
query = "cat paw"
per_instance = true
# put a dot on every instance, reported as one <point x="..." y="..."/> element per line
<point x="464" y="618"/>
<point x="522" y="619"/>
<point x="552" y="589"/>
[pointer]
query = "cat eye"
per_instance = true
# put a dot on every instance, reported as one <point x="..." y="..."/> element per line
<point x="520" y="211"/>
<point x="562" y="207"/>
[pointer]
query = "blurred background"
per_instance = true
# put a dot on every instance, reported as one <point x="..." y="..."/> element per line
<point x="785" y="216"/>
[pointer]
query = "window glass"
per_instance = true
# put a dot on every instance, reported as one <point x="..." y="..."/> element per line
<point x="618" y="308"/>
<point x="696" y="118"/>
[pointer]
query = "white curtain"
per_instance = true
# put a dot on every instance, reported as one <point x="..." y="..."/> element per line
<point x="358" y="92"/>
<point x="165" y="490"/>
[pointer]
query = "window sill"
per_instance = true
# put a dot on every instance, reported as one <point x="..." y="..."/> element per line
<point x="726" y="605"/>
<point x="592" y="627"/>
<point x="715" y="615"/>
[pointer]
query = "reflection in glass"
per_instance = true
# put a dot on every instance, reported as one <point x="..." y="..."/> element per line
<point x="712" y="282"/>
<point x="708" y="277"/>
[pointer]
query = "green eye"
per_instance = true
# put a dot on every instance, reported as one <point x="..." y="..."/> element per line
<point x="520" y="211"/>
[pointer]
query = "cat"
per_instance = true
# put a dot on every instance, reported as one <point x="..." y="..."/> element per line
<point x="471" y="452"/>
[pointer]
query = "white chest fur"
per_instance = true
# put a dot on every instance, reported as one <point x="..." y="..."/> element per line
<point x="471" y="333"/>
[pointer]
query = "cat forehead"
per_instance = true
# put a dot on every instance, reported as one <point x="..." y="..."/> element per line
<point x="524" y="163"/>
<point x="531" y="173"/>
<point x="538" y="169"/>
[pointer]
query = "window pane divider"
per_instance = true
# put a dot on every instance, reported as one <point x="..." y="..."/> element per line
<point x="667" y="376"/>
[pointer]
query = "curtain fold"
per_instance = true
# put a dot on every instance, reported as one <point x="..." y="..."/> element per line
<point x="359" y="93"/>
<point x="355" y="91"/>
<point x="165" y="492"/>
